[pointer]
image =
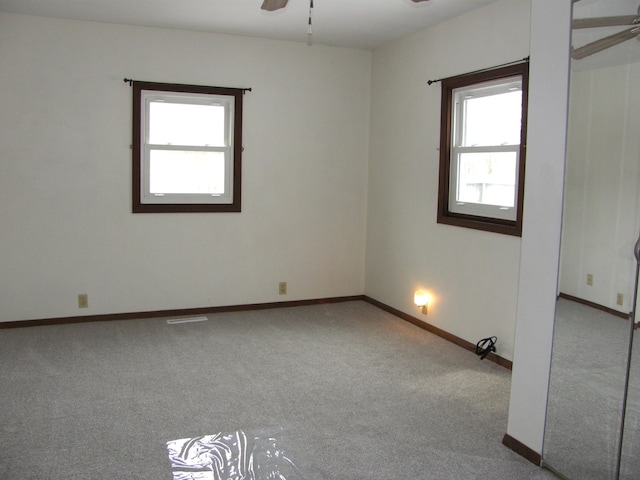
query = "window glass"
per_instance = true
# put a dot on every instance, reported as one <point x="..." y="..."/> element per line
<point x="491" y="119"/>
<point x="186" y="172"/>
<point x="487" y="178"/>
<point x="186" y="124"/>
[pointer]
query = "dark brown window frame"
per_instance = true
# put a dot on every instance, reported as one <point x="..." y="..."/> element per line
<point x="138" y="206"/>
<point x="447" y="217"/>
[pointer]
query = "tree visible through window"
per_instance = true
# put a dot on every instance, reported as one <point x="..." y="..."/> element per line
<point x="187" y="148"/>
<point x="482" y="148"/>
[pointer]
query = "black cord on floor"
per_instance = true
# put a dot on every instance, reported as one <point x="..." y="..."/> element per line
<point x="485" y="346"/>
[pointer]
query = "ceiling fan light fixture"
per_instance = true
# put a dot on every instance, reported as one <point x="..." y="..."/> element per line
<point x="309" y="28"/>
<point x="272" y="5"/>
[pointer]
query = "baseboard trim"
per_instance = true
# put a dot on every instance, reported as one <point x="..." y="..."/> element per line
<point x="174" y="313"/>
<point x="521" y="449"/>
<point x="597" y="306"/>
<point x="248" y="307"/>
<point x="437" y="331"/>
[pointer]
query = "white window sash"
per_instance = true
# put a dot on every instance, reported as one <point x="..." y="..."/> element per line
<point x="194" y="198"/>
<point x="469" y="208"/>
<point x="478" y="209"/>
<point x="228" y="102"/>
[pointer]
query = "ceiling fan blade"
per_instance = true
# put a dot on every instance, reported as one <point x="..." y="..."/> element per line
<point x="604" y="43"/>
<point x="596" y="22"/>
<point x="417" y="1"/>
<point x="271" y="5"/>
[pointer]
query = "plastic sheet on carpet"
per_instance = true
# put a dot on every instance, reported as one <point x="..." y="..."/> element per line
<point x="231" y="456"/>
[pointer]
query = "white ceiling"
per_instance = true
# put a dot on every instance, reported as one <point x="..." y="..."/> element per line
<point x="349" y="23"/>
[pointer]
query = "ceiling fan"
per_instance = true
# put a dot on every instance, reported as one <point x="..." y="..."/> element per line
<point x="632" y="21"/>
<point x="271" y="5"/>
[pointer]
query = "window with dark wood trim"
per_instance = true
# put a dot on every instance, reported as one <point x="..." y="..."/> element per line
<point x="482" y="150"/>
<point x="187" y="148"/>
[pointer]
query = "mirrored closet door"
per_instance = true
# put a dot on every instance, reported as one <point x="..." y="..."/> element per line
<point x="593" y="413"/>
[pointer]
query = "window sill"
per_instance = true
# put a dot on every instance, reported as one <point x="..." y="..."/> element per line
<point x="184" y="207"/>
<point x="504" y="227"/>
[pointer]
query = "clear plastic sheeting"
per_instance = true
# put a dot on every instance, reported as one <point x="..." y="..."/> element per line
<point x="230" y="456"/>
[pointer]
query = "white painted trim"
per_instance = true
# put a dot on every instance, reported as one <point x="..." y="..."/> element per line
<point x="546" y="143"/>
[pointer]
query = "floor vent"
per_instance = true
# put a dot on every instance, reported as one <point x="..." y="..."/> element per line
<point x="173" y="321"/>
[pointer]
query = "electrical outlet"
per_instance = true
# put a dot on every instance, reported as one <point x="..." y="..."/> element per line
<point x="83" y="300"/>
<point x="620" y="299"/>
<point x="282" y="288"/>
<point x="590" y="279"/>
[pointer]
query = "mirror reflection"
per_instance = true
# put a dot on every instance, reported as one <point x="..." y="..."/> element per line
<point x="630" y="455"/>
<point x="584" y="434"/>
<point x="586" y="392"/>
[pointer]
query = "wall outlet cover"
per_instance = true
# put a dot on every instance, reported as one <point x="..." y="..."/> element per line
<point x="83" y="300"/>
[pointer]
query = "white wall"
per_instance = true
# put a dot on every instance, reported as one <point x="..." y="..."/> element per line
<point x="472" y="275"/>
<point x="65" y="221"/>
<point x="65" y="174"/>
<point x="537" y="283"/>
<point x="602" y="194"/>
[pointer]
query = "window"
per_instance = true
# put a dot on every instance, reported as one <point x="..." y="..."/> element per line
<point x="482" y="149"/>
<point x="187" y="146"/>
